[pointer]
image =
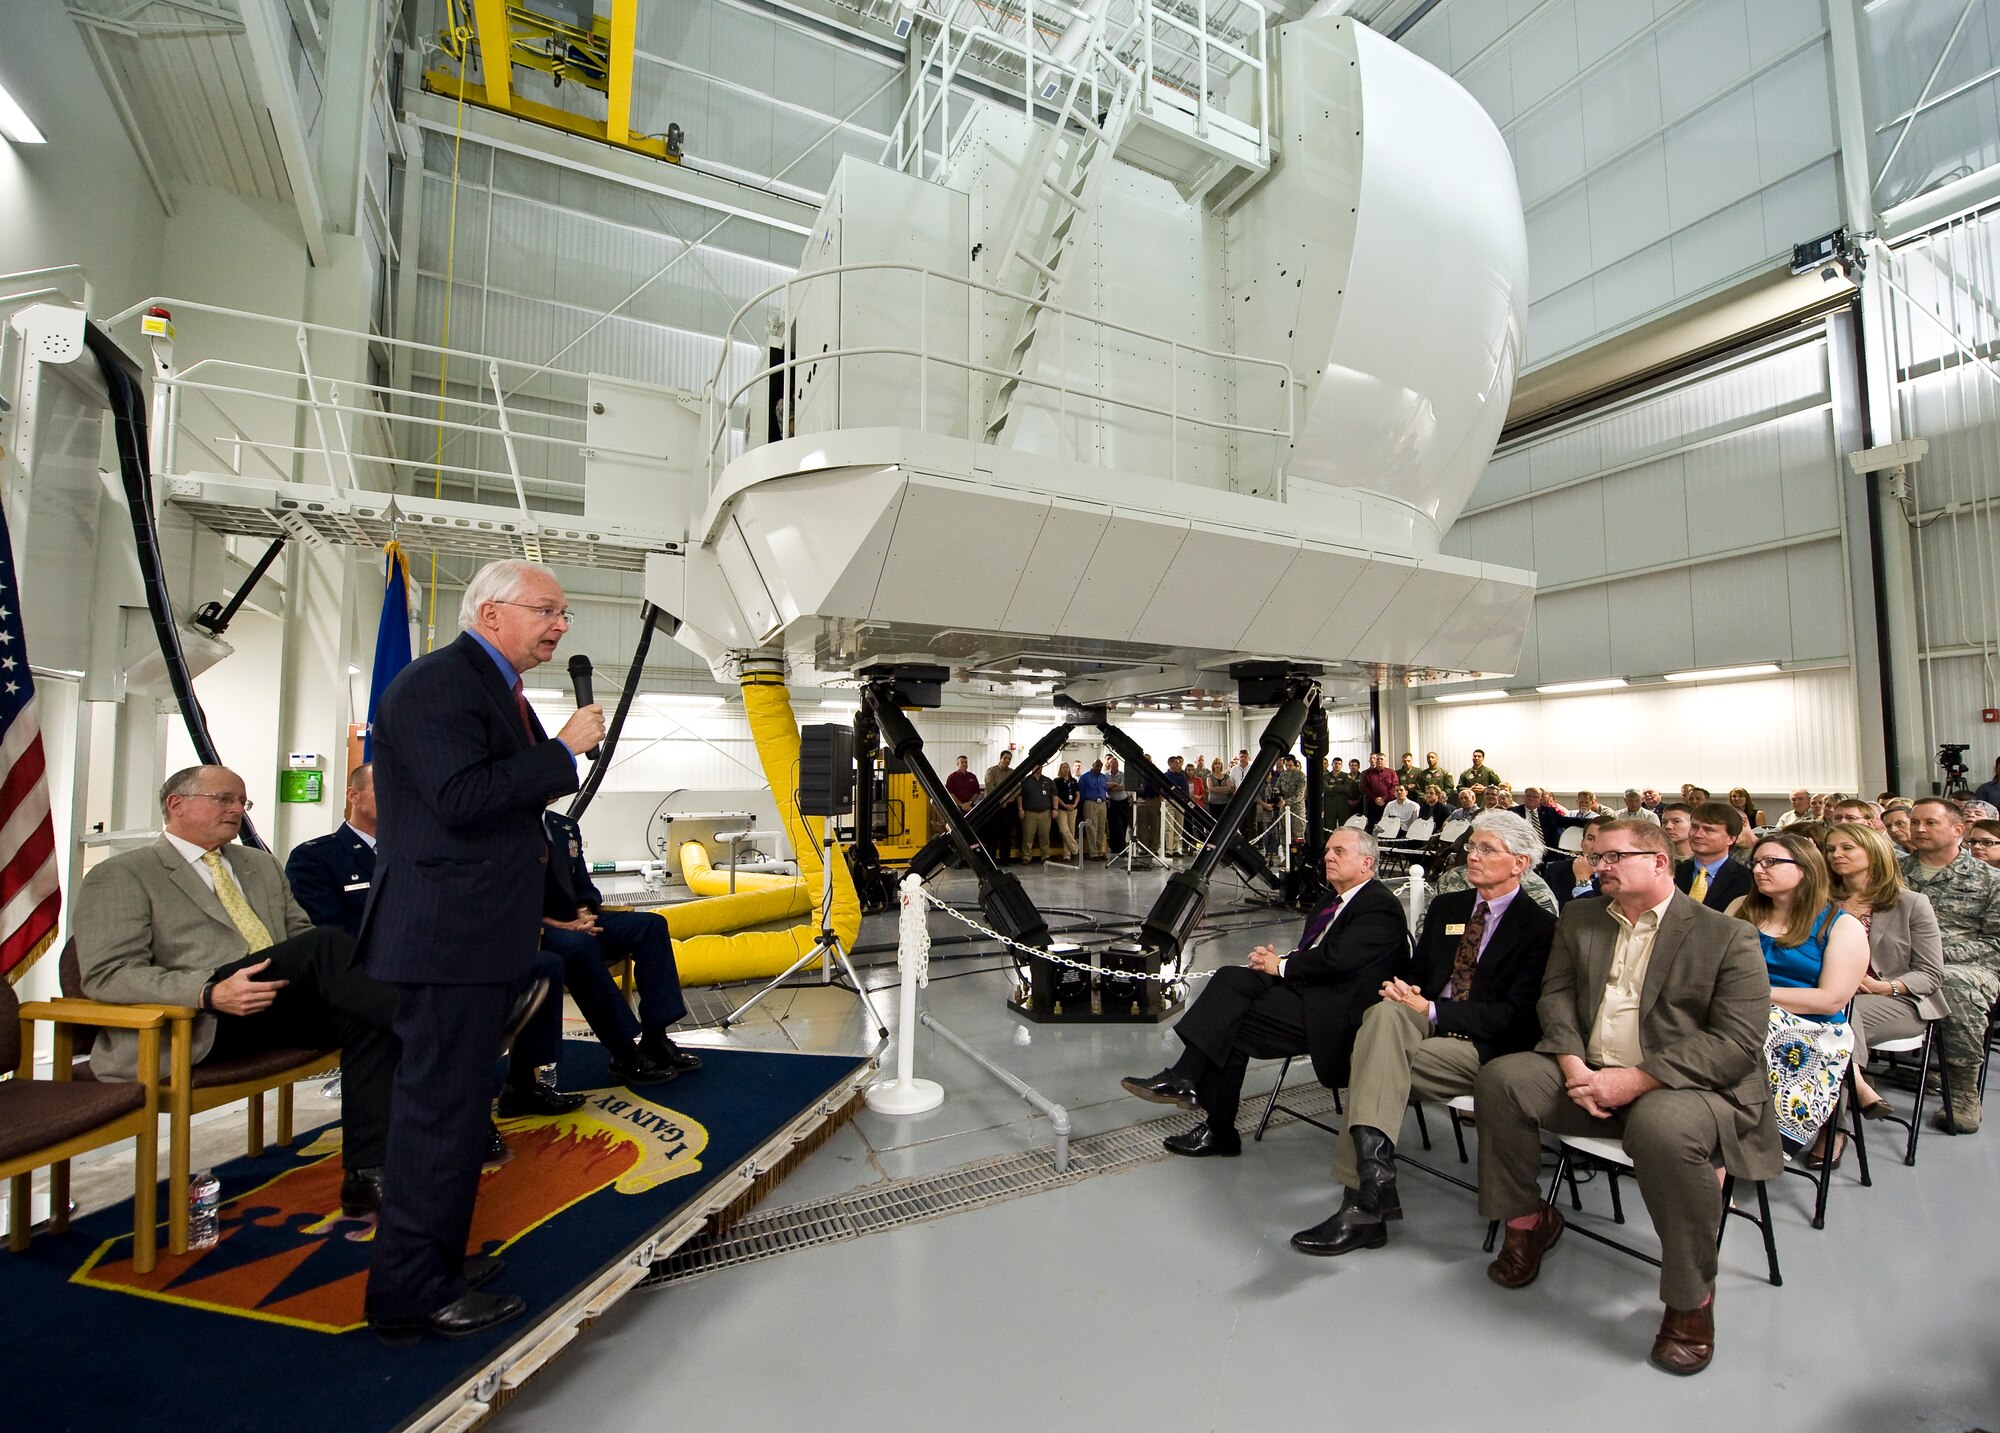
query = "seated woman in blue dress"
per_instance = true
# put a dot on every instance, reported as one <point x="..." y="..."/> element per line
<point x="1816" y="955"/>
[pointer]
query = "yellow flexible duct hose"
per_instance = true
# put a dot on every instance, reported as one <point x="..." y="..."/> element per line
<point x="703" y="954"/>
<point x="701" y="876"/>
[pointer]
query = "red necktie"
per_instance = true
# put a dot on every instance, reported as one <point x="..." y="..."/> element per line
<point x="527" y="717"/>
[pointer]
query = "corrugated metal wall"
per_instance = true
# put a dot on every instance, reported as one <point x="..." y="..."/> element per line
<point x="1952" y="401"/>
<point x="1665" y="148"/>
<point x="1770" y="734"/>
<point x="1698" y="525"/>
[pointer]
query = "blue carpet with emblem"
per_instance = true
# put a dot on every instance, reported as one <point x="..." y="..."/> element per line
<point x="263" y="1331"/>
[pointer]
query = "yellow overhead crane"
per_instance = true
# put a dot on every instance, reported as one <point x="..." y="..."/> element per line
<point x="550" y="36"/>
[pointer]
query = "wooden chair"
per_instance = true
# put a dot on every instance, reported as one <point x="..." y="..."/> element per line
<point x="49" y="1122"/>
<point x="195" y="1089"/>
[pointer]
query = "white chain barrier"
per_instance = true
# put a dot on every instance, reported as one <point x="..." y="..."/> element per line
<point x="1165" y="977"/>
<point x="906" y="1094"/>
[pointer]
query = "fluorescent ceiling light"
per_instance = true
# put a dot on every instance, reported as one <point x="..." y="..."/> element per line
<point x="840" y="706"/>
<point x="14" y="122"/>
<point x="1716" y="674"/>
<point x="681" y="700"/>
<point x="352" y="670"/>
<point x="1451" y="698"/>
<point x="1602" y="684"/>
<point x="1040" y="713"/>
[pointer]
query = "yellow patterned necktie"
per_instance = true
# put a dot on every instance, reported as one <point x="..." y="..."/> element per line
<point x="1698" y="887"/>
<point x="255" y="934"/>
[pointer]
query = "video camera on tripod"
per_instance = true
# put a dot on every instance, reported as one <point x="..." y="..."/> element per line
<point x="1951" y="760"/>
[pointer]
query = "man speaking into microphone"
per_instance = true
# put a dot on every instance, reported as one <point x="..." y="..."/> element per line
<point x="462" y="772"/>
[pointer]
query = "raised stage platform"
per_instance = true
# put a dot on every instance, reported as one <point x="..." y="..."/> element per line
<point x="264" y="1330"/>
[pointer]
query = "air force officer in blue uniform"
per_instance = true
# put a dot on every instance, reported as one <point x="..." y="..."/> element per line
<point x="462" y="772"/>
<point x="331" y="875"/>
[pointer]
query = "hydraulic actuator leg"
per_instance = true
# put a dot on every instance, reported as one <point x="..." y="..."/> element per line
<point x="1305" y="882"/>
<point x="1007" y="907"/>
<point x="1164" y="932"/>
<point x="1248" y="861"/>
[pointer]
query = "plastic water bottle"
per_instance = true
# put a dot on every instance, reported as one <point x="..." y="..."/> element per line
<point x="204" y="1199"/>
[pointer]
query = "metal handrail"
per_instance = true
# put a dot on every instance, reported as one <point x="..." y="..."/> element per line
<point x="718" y="415"/>
<point x="1171" y="51"/>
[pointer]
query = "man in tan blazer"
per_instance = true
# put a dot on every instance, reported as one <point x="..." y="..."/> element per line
<point x="196" y="919"/>
<point x="1654" y="1011"/>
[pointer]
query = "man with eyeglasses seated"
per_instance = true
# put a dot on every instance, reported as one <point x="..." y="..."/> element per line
<point x="1467" y="996"/>
<point x="1309" y="1002"/>
<point x="1653" y="1013"/>
<point x="196" y="919"/>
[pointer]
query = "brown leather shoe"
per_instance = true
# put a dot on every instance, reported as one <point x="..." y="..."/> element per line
<point x="1521" y="1255"/>
<point x="1686" y="1341"/>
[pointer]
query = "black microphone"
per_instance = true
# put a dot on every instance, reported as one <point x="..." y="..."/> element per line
<point x="579" y="677"/>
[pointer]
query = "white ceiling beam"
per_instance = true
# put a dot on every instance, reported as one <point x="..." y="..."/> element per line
<point x="262" y="28"/>
<point x="535" y="141"/>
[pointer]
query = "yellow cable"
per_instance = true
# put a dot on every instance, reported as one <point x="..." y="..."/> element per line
<point x="463" y="37"/>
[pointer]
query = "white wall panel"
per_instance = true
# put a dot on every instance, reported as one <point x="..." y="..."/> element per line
<point x="1650" y="140"/>
<point x="1696" y="525"/>
<point x="1804" y="734"/>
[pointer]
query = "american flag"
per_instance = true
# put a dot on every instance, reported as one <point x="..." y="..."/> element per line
<point x="30" y="898"/>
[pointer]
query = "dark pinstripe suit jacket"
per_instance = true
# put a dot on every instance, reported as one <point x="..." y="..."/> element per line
<point x="459" y="788"/>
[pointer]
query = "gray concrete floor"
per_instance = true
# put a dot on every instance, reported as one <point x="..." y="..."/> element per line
<point x="1167" y="1297"/>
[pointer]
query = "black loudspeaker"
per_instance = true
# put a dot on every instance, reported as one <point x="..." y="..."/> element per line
<point x="826" y="770"/>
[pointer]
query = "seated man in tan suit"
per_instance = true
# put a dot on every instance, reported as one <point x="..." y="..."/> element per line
<point x="195" y="919"/>
<point x="1653" y="1013"/>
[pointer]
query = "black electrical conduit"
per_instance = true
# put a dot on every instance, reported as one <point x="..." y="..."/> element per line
<point x="128" y="411"/>
<point x="649" y="618"/>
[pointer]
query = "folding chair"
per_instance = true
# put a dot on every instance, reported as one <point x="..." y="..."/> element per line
<point x="1924" y="1047"/>
<point x="1609" y="1155"/>
<point x="1571" y="840"/>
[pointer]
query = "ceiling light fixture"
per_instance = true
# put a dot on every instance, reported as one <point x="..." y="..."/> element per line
<point x="1602" y="684"/>
<point x="14" y="121"/>
<point x="1717" y="674"/>
<point x="1453" y="698"/>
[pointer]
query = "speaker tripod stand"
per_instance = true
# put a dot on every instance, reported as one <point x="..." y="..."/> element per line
<point x="826" y="949"/>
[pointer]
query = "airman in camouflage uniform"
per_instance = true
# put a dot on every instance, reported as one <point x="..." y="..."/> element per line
<point x="1479" y="773"/>
<point x="1965" y="893"/>
<point x="1340" y="796"/>
<point x="1291" y="783"/>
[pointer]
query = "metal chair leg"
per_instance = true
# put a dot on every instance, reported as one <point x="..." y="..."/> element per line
<point x="1770" y="1235"/>
<point x="1423" y="1129"/>
<point x="1923" y="1083"/>
<point x="1458" y="1133"/>
<point x="1617" y="1203"/>
<point x="1492" y="1234"/>
<point x="1728" y="1207"/>
<point x="1271" y="1104"/>
<point x="1575" y="1194"/>
<point x="1562" y="1172"/>
<point x="1859" y="1135"/>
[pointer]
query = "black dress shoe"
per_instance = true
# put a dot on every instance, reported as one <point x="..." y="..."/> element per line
<point x="1342" y="1233"/>
<point x="521" y="1012"/>
<point x="470" y="1313"/>
<point x="636" y="1069"/>
<point x="1203" y="1141"/>
<point x="497" y="1152"/>
<point x="1375" y="1162"/>
<point x="481" y="1269"/>
<point x="361" y="1192"/>
<point x="1165" y="1088"/>
<point x="537" y="1097"/>
<point x="662" y="1051"/>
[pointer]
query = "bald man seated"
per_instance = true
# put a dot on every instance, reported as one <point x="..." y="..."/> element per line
<point x="197" y="919"/>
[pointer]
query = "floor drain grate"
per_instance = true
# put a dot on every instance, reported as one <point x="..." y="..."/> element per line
<point x="877" y="1208"/>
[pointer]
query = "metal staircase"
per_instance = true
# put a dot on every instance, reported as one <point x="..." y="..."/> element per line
<point x="1071" y="157"/>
